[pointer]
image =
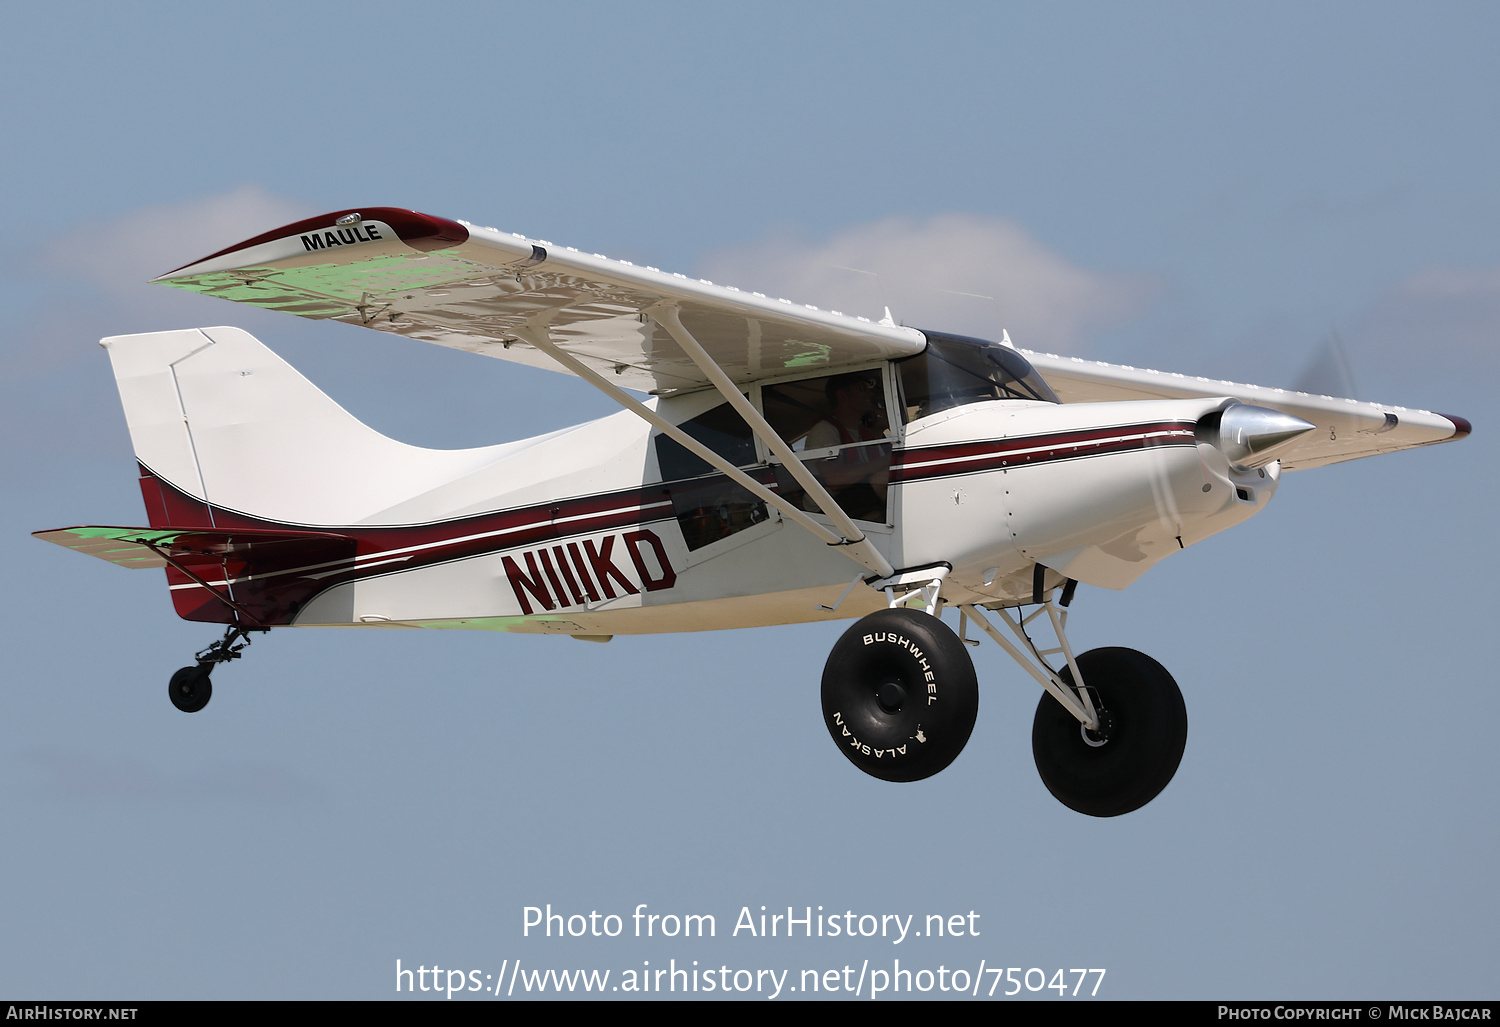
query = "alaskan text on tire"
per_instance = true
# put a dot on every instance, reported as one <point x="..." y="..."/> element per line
<point x="1146" y="735"/>
<point x="899" y="695"/>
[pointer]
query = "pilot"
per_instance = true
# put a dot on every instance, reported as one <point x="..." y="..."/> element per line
<point x="856" y="478"/>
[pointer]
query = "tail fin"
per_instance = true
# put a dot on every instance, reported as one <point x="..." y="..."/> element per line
<point x="225" y="421"/>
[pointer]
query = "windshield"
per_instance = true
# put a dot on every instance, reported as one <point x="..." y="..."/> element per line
<point x="955" y="370"/>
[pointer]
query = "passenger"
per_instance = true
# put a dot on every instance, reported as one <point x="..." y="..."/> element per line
<point x="856" y="478"/>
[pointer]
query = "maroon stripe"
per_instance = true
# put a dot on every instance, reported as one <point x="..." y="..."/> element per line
<point x="1054" y="439"/>
<point x="975" y="457"/>
<point x="276" y="599"/>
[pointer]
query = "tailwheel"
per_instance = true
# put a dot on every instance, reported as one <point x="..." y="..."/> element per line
<point x="1133" y="754"/>
<point x="899" y="695"/>
<point x="190" y="688"/>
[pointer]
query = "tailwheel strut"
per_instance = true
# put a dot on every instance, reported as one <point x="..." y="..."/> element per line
<point x="190" y="688"/>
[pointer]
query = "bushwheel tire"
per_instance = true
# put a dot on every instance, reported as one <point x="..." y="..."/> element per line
<point x="899" y="695"/>
<point x="190" y="689"/>
<point x="1147" y="734"/>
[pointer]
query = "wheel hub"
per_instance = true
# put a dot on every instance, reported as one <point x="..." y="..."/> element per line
<point x="890" y="695"/>
<point x="1094" y="739"/>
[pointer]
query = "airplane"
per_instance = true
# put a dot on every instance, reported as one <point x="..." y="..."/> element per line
<point x="773" y="463"/>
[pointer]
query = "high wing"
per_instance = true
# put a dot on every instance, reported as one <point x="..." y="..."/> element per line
<point x="495" y="293"/>
<point x="481" y="290"/>
<point x="1346" y="429"/>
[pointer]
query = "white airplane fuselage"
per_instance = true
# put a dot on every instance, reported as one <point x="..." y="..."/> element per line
<point x="1098" y="492"/>
<point x="311" y="518"/>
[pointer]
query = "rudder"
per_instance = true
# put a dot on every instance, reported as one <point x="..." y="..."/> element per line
<point x="217" y="415"/>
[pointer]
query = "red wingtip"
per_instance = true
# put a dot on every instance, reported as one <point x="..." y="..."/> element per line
<point x="1461" y="427"/>
<point x="419" y="231"/>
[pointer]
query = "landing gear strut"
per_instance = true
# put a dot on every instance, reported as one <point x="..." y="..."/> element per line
<point x="190" y="688"/>
<point x="900" y="697"/>
<point x="1111" y="726"/>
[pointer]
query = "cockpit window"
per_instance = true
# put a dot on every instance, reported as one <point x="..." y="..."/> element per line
<point x="955" y="370"/>
<point x="709" y="506"/>
<point x="721" y="429"/>
<point x="834" y="410"/>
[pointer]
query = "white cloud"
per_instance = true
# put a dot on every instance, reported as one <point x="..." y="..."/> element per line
<point x="1430" y="339"/>
<point x="922" y="269"/>
<point x="123" y="255"/>
<point x="93" y="281"/>
<point x="1454" y="283"/>
<point x="1447" y="319"/>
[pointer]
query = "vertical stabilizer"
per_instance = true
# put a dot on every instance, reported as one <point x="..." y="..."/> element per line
<point x="219" y="417"/>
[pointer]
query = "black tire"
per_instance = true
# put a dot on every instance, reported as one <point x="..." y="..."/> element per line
<point x="899" y="695"/>
<point x="1147" y="734"/>
<point x="190" y="689"/>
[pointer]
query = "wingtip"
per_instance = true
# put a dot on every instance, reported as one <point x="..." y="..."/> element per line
<point x="419" y="231"/>
<point x="1461" y="426"/>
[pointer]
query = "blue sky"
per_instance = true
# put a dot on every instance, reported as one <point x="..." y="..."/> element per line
<point x="1203" y="188"/>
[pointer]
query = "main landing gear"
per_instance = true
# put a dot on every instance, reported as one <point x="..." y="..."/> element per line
<point x="899" y="695"/>
<point x="1126" y="762"/>
<point x="900" y="699"/>
<point x="190" y="688"/>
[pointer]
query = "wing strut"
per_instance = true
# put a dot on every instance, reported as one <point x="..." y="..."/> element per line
<point x="860" y="548"/>
<point x="861" y="552"/>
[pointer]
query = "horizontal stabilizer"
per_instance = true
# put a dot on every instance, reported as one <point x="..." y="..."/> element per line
<point x="143" y="547"/>
<point x="223" y="575"/>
